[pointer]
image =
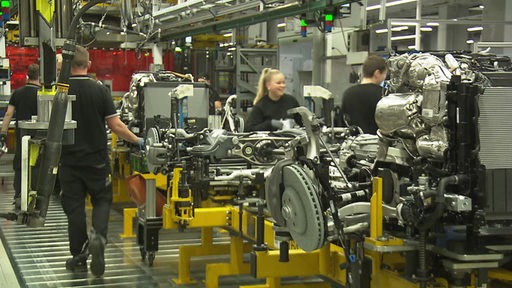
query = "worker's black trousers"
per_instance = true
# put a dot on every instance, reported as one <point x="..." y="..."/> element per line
<point x="76" y="182"/>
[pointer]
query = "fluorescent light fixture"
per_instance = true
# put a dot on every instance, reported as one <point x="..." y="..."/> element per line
<point x="479" y="7"/>
<point x="411" y="47"/>
<point x="207" y="6"/>
<point x="389" y="4"/>
<point x="232" y="49"/>
<point x="403" y="23"/>
<point x="228" y="34"/>
<point x="281" y="25"/>
<point x="405" y="37"/>
<point x="470" y="41"/>
<point x="475" y="28"/>
<point x="399" y="28"/>
<point x="379" y="31"/>
<point x="426" y="29"/>
<point x="432" y="24"/>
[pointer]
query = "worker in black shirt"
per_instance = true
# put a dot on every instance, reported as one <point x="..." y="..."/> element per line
<point x="214" y="98"/>
<point x="271" y="104"/>
<point x="85" y="168"/>
<point x="359" y="102"/>
<point x="24" y="102"/>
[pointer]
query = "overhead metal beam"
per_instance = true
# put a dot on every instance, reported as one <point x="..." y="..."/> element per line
<point x="290" y="9"/>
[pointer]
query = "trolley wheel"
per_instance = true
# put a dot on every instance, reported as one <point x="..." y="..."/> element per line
<point x="151" y="258"/>
<point x="143" y="253"/>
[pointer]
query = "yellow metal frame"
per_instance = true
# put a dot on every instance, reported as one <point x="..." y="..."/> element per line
<point x="118" y="176"/>
<point x="268" y="266"/>
<point x="46" y="9"/>
<point x="206" y="248"/>
<point x="128" y="215"/>
<point x="325" y="261"/>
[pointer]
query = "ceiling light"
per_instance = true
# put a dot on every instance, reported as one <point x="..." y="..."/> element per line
<point x="470" y="41"/>
<point x="389" y="4"/>
<point x="411" y="47"/>
<point x="426" y="29"/>
<point x="405" y="37"/>
<point x="475" y="28"/>
<point x="281" y="25"/>
<point x="432" y="24"/>
<point x="378" y="31"/>
<point x="404" y="23"/>
<point x="479" y="7"/>
<point x="228" y="34"/>
<point x="399" y="28"/>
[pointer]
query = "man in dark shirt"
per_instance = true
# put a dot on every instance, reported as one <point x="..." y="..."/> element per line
<point x="24" y="102"/>
<point x="359" y="102"/>
<point x="85" y="168"/>
<point x="215" y="103"/>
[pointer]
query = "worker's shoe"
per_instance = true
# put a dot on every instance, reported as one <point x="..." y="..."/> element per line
<point x="78" y="263"/>
<point x="97" y="251"/>
<point x="17" y="203"/>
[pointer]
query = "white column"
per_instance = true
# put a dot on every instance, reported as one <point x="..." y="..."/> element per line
<point x="157" y="54"/>
<point x="417" y="39"/>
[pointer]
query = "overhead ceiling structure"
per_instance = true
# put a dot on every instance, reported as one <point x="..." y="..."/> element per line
<point x="128" y="19"/>
<point x="212" y="16"/>
<point x="429" y="8"/>
<point x="150" y="21"/>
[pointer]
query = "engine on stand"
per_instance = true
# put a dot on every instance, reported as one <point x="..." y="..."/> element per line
<point x="427" y="155"/>
<point x="405" y="208"/>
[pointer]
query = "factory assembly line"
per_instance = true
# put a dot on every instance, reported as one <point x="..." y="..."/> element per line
<point x="313" y="205"/>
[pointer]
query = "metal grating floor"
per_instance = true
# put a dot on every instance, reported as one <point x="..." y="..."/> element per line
<point x="38" y="255"/>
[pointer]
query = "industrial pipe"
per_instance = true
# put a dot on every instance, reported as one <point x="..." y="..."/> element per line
<point x="53" y="143"/>
<point x="440" y="202"/>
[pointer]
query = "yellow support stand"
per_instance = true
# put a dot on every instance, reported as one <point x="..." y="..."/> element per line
<point x="269" y="267"/>
<point x="236" y="266"/>
<point x="500" y="274"/>
<point x="120" y="170"/>
<point x="128" y="215"/>
<point x="205" y="248"/>
<point x="276" y="283"/>
<point x="376" y="209"/>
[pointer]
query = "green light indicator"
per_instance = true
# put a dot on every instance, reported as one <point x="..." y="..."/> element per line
<point x="328" y="17"/>
<point x="5" y="4"/>
<point x="303" y="22"/>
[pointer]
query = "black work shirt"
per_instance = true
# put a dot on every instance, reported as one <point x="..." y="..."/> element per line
<point x="267" y="109"/>
<point x="358" y="106"/>
<point x="93" y="105"/>
<point x="213" y="96"/>
<point x="24" y="100"/>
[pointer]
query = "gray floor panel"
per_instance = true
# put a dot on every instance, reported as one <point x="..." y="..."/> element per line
<point x="38" y="255"/>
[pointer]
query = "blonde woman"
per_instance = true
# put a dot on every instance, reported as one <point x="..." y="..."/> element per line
<point x="271" y="104"/>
